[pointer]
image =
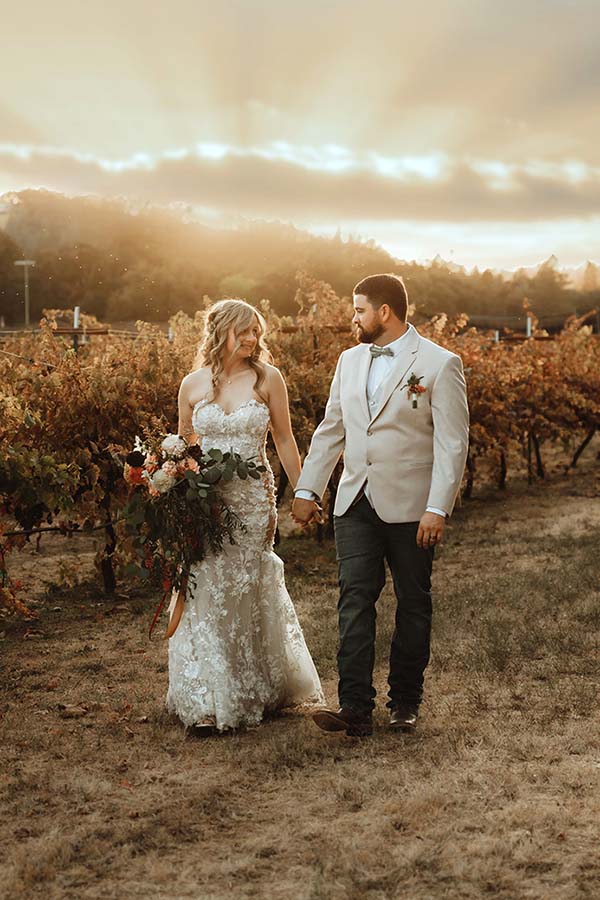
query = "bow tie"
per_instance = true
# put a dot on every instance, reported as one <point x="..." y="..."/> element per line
<point x="380" y="351"/>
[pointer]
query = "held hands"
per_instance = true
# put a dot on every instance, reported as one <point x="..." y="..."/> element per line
<point x="431" y="530"/>
<point x="305" y="512"/>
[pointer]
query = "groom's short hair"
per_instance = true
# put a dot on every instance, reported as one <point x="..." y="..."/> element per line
<point x="380" y="289"/>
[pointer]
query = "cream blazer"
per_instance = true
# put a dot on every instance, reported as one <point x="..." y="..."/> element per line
<point x="411" y="458"/>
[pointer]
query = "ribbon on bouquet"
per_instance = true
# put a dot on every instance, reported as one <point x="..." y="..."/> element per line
<point x="177" y="612"/>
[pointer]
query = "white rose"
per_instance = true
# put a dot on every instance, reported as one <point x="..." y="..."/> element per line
<point x="162" y="482"/>
<point x="174" y="445"/>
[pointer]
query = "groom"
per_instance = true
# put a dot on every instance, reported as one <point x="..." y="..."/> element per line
<point x="398" y="412"/>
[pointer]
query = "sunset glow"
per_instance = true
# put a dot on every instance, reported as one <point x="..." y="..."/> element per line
<point x="431" y="130"/>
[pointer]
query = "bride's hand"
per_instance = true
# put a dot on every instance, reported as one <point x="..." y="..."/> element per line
<point x="317" y="516"/>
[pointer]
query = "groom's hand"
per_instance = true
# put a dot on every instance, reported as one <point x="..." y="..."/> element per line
<point x="306" y="511"/>
<point x="430" y="531"/>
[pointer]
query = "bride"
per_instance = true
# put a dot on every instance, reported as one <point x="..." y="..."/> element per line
<point x="238" y="651"/>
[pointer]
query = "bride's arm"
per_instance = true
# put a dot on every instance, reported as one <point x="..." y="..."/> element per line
<point x="281" y="426"/>
<point x="184" y="426"/>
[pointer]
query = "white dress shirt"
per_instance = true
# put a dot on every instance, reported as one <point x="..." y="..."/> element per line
<point x="379" y="370"/>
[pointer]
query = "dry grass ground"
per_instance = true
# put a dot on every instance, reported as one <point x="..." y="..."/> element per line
<point x="497" y="795"/>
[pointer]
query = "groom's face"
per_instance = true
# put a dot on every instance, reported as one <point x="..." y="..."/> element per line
<point x="366" y="320"/>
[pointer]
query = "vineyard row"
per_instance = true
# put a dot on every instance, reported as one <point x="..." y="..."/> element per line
<point x="67" y="418"/>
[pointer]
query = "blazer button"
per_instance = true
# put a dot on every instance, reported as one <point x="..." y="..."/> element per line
<point x="368" y="462"/>
<point x="369" y="432"/>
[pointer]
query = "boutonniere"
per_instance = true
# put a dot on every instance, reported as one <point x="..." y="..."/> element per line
<point x="414" y="388"/>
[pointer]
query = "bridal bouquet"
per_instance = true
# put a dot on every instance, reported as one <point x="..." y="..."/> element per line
<point x="176" y="513"/>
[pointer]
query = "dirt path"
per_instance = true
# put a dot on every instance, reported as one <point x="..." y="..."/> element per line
<point x="497" y="794"/>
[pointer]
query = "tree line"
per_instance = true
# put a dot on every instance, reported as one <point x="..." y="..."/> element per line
<point x="120" y="264"/>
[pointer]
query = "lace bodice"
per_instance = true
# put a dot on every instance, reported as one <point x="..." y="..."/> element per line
<point x="243" y="430"/>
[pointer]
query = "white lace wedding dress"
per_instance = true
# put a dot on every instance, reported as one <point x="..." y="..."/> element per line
<point x="239" y="651"/>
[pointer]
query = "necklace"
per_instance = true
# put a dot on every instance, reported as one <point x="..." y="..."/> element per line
<point x="235" y="375"/>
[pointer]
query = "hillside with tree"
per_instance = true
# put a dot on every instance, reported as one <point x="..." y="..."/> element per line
<point x="119" y="263"/>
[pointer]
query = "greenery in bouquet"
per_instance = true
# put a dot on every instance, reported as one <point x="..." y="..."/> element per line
<point x="176" y="512"/>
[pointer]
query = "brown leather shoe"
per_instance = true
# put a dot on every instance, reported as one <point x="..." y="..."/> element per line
<point x="403" y="717"/>
<point x="355" y="724"/>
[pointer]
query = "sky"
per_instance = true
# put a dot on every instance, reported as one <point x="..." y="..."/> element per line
<point x="469" y="129"/>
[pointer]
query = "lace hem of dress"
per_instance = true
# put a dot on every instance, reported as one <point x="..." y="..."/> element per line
<point x="245" y="719"/>
<point x="239" y="652"/>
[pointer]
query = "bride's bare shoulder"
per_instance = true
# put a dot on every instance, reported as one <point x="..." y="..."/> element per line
<point x="198" y="376"/>
<point x="274" y="385"/>
<point x="272" y="373"/>
<point x="196" y="383"/>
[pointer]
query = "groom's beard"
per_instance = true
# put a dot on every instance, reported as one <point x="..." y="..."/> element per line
<point x="367" y="337"/>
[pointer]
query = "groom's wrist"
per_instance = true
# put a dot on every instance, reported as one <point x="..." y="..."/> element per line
<point x="305" y="495"/>
<point x="439" y="512"/>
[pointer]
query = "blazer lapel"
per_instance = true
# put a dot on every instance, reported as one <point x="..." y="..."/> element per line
<point x="405" y="362"/>
<point x="362" y="376"/>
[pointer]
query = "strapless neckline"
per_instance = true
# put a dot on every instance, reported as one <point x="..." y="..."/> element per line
<point x="246" y="403"/>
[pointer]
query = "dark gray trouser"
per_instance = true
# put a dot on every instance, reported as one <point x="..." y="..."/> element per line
<point x="364" y="542"/>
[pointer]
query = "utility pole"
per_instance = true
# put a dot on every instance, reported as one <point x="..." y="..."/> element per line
<point x="26" y="263"/>
<point x="76" y="312"/>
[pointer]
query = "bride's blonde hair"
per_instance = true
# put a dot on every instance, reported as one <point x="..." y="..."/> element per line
<point x="220" y="317"/>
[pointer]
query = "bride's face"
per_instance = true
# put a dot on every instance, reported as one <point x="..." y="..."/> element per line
<point x="247" y="340"/>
